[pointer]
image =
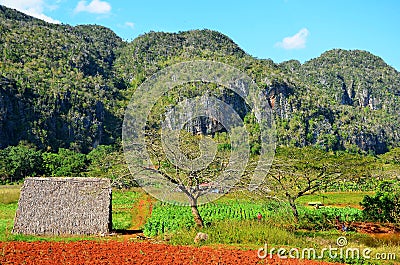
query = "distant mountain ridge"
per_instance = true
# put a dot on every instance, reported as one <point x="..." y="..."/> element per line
<point x="64" y="86"/>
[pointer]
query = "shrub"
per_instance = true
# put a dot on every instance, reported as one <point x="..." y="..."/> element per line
<point x="384" y="206"/>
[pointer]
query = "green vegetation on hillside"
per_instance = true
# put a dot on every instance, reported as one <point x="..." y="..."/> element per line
<point x="67" y="87"/>
<point x="353" y="104"/>
<point x="58" y="88"/>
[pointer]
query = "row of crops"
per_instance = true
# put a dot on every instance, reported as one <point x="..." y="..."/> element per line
<point x="169" y="218"/>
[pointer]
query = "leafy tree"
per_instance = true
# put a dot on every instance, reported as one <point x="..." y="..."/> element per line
<point x="18" y="162"/>
<point x="66" y="163"/>
<point x="98" y="157"/>
<point x="51" y="163"/>
<point x="108" y="161"/>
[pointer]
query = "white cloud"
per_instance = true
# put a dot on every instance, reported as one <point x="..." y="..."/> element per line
<point x="130" y="24"/>
<point x="33" y="8"/>
<point x="95" y="7"/>
<point x="297" y="41"/>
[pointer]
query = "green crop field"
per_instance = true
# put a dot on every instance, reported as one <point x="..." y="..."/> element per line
<point x="169" y="218"/>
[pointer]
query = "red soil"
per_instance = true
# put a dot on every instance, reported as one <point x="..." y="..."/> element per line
<point x="375" y="228"/>
<point x="115" y="252"/>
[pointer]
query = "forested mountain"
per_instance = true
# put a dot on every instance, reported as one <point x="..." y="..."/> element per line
<point x="64" y="86"/>
<point x="345" y="100"/>
<point x="57" y="83"/>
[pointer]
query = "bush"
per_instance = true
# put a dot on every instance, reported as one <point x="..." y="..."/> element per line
<point x="384" y="206"/>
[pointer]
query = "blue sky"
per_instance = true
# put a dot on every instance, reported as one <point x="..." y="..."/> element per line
<point x="276" y="29"/>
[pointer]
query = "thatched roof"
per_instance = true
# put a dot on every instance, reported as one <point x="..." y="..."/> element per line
<point x="55" y="206"/>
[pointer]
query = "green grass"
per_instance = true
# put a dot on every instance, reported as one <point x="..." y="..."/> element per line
<point x="9" y="195"/>
<point x="324" y="218"/>
<point x="233" y="227"/>
<point x="244" y="233"/>
<point x="252" y="234"/>
<point x="168" y="218"/>
<point x="122" y="220"/>
<point x="122" y="199"/>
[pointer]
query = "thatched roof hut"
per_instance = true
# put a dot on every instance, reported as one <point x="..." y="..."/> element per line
<point x="57" y="206"/>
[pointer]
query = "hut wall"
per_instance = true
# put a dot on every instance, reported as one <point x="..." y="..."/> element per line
<point x="64" y="206"/>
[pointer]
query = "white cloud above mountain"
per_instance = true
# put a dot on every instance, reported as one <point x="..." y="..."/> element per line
<point x="297" y="41"/>
<point x="34" y="8"/>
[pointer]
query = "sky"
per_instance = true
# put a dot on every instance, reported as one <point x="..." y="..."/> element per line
<point x="277" y="29"/>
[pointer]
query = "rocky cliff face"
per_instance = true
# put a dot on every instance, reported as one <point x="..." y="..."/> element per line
<point x="345" y="100"/>
<point x="13" y="114"/>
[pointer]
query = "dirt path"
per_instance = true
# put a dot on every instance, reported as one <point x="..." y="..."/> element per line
<point x="141" y="211"/>
<point x="115" y="252"/>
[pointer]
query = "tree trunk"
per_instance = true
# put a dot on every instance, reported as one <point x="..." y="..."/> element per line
<point x="196" y="215"/>
<point x="294" y="209"/>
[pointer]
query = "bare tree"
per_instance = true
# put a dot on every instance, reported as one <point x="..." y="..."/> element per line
<point x="191" y="181"/>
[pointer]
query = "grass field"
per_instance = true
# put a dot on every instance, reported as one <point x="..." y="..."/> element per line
<point x="9" y="193"/>
<point x="340" y="199"/>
